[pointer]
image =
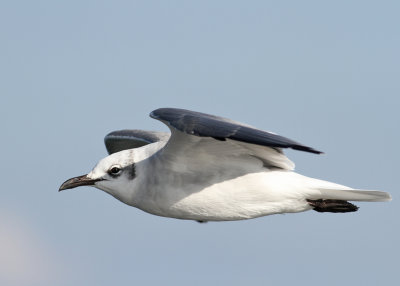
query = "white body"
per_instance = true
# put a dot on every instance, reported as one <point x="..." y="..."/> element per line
<point x="220" y="181"/>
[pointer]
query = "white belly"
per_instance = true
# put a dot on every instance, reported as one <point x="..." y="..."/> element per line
<point x="249" y="196"/>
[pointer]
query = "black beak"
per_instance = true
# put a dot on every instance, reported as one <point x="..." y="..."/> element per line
<point x="83" y="180"/>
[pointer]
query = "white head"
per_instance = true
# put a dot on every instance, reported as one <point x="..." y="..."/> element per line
<point x="112" y="174"/>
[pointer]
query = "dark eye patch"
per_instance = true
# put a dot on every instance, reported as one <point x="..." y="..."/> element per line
<point x="132" y="171"/>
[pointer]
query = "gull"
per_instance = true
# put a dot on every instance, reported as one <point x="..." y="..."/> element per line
<point x="211" y="168"/>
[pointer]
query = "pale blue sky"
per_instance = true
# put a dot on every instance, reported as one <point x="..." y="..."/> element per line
<point x="324" y="74"/>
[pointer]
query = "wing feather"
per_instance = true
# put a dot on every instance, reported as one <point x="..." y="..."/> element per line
<point x="206" y="125"/>
<point x="193" y="135"/>
<point x="128" y="139"/>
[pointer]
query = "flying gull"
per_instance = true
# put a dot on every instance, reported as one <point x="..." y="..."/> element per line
<point x="211" y="168"/>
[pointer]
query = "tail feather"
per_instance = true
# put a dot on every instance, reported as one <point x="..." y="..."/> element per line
<point x="355" y="195"/>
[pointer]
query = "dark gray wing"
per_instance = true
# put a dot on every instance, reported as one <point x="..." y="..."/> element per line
<point x="128" y="139"/>
<point x="205" y="125"/>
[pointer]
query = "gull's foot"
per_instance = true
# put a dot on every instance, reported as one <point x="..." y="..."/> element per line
<point x="332" y="206"/>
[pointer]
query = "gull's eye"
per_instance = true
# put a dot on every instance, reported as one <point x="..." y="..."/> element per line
<point x="114" y="171"/>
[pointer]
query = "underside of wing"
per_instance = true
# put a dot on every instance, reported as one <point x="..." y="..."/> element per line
<point x="205" y="125"/>
<point x="128" y="139"/>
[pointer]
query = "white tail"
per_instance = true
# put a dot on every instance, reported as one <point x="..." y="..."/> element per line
<point x="355" y="195"/>
<point x="332" y="191"/>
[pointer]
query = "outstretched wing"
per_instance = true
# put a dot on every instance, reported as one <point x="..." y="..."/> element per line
<point x="186" y="124"/>
<point x="128" y="139"/>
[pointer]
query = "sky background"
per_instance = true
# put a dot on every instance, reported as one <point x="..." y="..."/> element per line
<point x="324" y="74"/>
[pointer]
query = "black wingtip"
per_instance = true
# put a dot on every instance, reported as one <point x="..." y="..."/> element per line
<point x="307" y="149"/>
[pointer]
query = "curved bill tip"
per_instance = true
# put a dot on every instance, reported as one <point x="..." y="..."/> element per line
<point x="83" y="180"/>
